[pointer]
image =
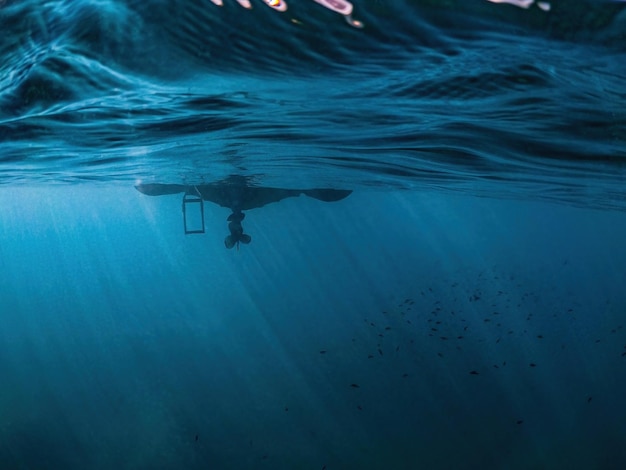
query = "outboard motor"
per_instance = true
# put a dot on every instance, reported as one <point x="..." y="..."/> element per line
<point x="236" y="231"/>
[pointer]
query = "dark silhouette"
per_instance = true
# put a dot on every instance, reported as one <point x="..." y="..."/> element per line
<point x="238" y="195"/>
<point x="236" y="231"/>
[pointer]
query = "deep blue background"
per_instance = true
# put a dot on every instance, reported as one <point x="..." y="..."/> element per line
<point x="122" y="339"/>
<point x="463" y="308"/>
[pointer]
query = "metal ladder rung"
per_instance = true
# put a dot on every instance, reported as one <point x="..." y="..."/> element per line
<point x="193" y="199"/>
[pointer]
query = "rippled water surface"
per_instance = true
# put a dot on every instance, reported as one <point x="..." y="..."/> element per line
<point x="474" y="96"/>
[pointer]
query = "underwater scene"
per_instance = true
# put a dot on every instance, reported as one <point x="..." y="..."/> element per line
<point x="313" y="234"/>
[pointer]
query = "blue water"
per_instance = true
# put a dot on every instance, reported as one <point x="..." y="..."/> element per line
<point x="430" y="274"/>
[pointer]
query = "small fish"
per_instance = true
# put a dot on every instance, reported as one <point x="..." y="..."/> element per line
<point x="405" y="376"/>
<point x="359" y="407"/>
<point x="380" y="351"/>
<point x="322" y="351"/>
<point x="369" y="356"/>
<point x="589" y="399"/>
<point x="354" y="385"/>
<point x="286" y="408"/>
<point x="532" y="364"/>
<point x="196" y="438"/>
<point x="473" y="372"/>
<point x="540" y="336"/>
<point x="520" y="421"/>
